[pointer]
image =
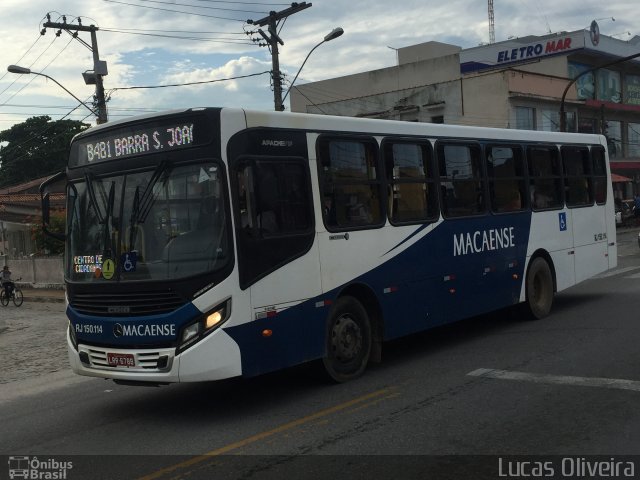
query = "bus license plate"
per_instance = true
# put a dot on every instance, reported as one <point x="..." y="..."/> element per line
<point x="121" y="360"/>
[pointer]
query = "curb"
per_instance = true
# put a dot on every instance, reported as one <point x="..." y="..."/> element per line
<point x="27" y="298"/>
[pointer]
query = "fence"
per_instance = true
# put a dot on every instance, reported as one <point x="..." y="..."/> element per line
<point x="38" y="271"/>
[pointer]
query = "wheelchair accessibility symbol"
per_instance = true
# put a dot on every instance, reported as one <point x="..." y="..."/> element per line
<point x="129" y="261"/>
<point x="562" y="218"/>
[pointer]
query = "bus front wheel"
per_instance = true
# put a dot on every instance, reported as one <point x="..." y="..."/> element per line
<point x="539" y="289"/>
<point x="348" y="344"/>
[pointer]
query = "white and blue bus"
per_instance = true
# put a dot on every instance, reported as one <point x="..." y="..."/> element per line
<point x="210" y="243"/>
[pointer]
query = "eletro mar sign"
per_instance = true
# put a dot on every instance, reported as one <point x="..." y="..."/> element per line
<point x="534" y="50"/>
<point x="498" y="55"/>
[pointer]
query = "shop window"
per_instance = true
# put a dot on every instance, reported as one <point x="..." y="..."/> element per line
<point x="525" y="118"/>
<point x="633" y="140"/>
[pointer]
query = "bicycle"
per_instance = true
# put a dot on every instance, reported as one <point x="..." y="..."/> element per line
<point x="12" y="293"/>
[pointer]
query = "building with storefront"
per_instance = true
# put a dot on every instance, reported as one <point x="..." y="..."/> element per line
<point x="20" y="210"/>
<point x="518" y="83"/>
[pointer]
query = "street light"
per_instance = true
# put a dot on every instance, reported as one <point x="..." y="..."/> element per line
<point x="563" y="114"/>
<point x="335" y="33"/>
<point x="26" y="71"/>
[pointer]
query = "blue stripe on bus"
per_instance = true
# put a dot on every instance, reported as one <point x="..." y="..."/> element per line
<point x="439" y="279"/>
<point x="128" y="331"/>
<point x="416" y="232"/>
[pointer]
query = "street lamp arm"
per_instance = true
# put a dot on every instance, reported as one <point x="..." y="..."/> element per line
<point x="563" y="118"/>
<point x="299" y="70"/>
<point x="335" y="33"/>
<point x="26" y="71"/>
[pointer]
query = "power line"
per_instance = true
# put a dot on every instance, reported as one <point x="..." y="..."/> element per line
<point x="197" y="6"/>
<point x="173" y="31"/>
<point x="190" y="83"/>
<point x="246" y="3"/>
<point x="20" y="59"/>
<point x="32" y="63"/>
<point x="175" y="37"/>
<point x="175" y="11"/>
<point x="42" y="69"/>
<point x="37" y="135"/>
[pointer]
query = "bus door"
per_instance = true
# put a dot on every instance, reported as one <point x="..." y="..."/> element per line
<point x="586" y="193"/>
<point x="275" y="231"/>
<point x="551" y="221"/>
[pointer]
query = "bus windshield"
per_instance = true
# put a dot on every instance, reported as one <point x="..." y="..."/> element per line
<point x="166" y="223"/>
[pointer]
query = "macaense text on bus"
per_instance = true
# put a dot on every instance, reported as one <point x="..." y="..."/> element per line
<point x="119" y="146"/>
<point x="482" y="241"/>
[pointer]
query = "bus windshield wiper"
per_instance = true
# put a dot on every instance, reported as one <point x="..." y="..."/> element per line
<point x="106" y="234"/>
<point x="133" y="221"/>
<point x="88" y="178"/>
<point x="142" y="203"/>
<point x="150" y="194"/>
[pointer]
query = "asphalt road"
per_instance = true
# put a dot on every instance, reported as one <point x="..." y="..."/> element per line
<point x="567" y="386"/>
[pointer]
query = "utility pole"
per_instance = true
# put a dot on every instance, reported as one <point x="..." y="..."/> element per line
<point x="91" y="77"/>
<point x="273" y="41"/>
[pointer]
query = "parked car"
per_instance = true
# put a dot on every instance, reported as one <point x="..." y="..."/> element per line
<point x="624" y="212"/>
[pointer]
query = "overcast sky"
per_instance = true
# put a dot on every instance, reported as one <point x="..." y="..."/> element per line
<point x="223" y="50"/>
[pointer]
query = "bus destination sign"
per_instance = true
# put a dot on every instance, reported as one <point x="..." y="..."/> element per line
<point x="137" y="140"/>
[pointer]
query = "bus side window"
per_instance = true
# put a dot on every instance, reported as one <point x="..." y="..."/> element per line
<point x="412" y="192"/>
<point x="461" y="179"/>
<point x="350" y="182"/>
<point x="577" y="168"/>
<point x="505" y="169"/>
<point x="545" y="178"/>
<point x="599" y="174"/>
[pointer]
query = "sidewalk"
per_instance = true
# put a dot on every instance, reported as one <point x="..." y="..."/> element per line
<point x="32" y="294"/>
<point x="51" y="294"/>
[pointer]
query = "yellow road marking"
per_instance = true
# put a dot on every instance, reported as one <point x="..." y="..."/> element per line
<point x="265" y="434"/>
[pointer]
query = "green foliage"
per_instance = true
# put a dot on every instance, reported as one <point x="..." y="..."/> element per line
<point x="45" y="244"/>
<point x="35" y="148"/>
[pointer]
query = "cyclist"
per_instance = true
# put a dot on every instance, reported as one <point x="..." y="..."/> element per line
<point x="5" y="280"/>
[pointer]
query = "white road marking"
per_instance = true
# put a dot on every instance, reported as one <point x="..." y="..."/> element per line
<point x="40" y="385"/>
<point x="616" y="383"/>
<point x="617" y="271"/>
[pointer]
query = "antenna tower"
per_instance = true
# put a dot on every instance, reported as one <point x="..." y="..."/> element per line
<point x="492" y="28"/>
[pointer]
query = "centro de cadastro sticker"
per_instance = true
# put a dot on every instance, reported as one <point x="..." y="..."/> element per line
<point x="108" y="269"/>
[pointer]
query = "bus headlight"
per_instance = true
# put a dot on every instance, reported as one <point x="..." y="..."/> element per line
<point x="72" y="336"/>
<point x="207" y="323"/>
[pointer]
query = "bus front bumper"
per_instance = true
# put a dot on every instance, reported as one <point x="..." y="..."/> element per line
<point x="215" y="357"/>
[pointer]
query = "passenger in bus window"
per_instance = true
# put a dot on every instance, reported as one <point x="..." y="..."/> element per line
<point x="329" y="210"/>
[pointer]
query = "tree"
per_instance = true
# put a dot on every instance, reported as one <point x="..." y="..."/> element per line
<point x="35" y="148"/>
<point x="45" y="244"/>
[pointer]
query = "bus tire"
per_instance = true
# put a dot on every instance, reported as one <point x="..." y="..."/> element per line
<point x="348" y="340"/>
<point x="539" y="289"/>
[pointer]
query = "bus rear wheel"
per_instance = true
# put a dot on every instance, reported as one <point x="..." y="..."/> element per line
<point x="539" y="289"/>
<point x="348" y="344"/>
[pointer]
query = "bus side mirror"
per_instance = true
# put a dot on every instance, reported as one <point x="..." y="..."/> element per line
<point x="46" y="216"/>
<point x="45" y="201"/>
